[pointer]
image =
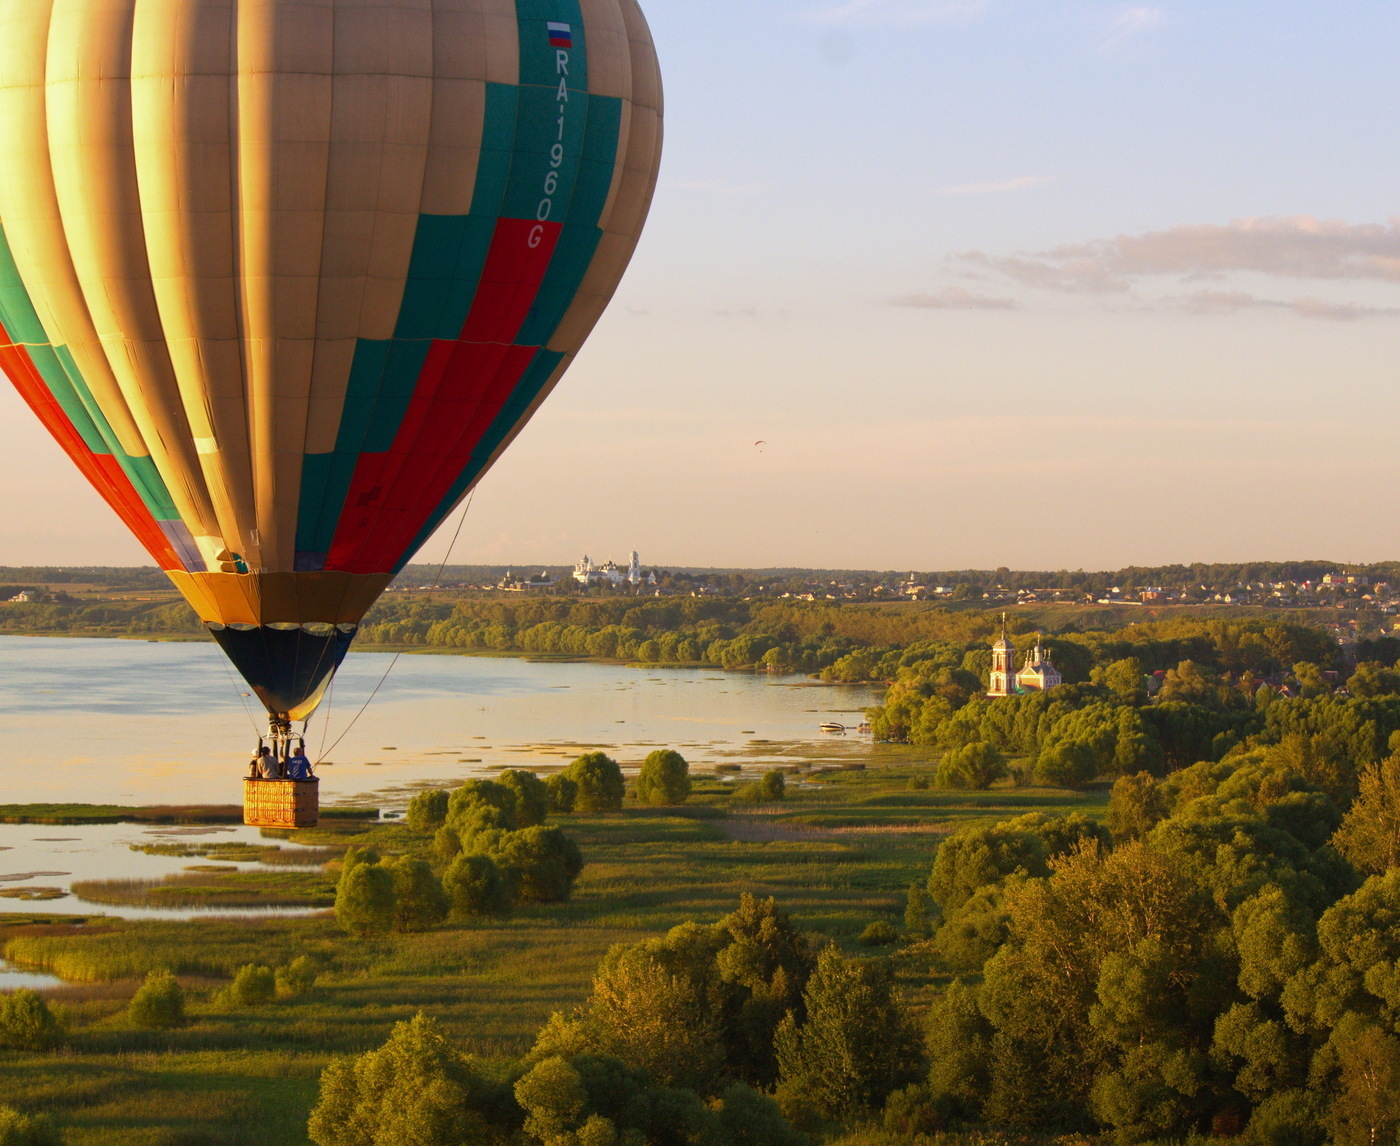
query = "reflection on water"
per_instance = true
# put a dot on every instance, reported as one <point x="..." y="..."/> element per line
<point x="12" y="978"/>
<point x="46" y="866"/>
<point x="137" y="722"/>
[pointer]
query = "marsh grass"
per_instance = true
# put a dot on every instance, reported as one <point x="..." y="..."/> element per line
<point x="851" y="845"/>
<point x="211" y="885"/>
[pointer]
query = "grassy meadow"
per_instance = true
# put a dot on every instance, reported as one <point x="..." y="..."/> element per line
<point x="837" y="854"/>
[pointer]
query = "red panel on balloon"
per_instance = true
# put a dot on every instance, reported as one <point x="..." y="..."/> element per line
<point x="460" y="392"/>
<point x="510" y="281"/>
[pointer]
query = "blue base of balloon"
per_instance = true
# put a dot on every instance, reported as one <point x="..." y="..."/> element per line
<point x="288" y="666"/>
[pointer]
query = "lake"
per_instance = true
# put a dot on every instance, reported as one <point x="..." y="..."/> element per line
<point x="149" y="722"/>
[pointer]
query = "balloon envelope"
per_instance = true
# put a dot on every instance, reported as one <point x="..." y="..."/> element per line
<point x="285" y="277"/>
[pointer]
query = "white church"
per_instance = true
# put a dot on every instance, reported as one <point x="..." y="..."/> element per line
<point x="1037" y="673"/>
<point x="608" y="573"/>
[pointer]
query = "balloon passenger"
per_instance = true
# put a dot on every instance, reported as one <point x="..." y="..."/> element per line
<point x="298" y="766"/>
<point x="267" y="765"/>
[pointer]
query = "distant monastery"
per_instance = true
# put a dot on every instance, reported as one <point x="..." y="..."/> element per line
<point x="586" y="573"/>
<point x="1036" y="675"/>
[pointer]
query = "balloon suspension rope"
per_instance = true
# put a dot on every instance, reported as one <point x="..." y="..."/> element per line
<point x="248" y="712"/>
<point x="436" y="581"/>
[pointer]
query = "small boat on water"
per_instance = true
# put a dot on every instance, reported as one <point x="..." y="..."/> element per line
<point x="832" y="726"/>
<point x="864" y="726"/>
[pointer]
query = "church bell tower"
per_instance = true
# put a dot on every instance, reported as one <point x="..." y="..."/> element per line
<point x="1003" y="681"/>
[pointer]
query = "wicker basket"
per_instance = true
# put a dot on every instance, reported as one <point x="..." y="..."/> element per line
<point x="281" y="803"/>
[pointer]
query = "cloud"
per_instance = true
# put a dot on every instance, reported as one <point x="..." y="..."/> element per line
<point x="899" y="12"/>
<point x="1083" y="275"/>
<point x="1288" y="248"/>
<point x="954" y="298"/>
<point x="1133" y="22"/>
<point x="996" y="187"/>
<point x="1229" y="302"/>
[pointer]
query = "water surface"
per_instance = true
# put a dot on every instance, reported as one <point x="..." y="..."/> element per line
<point x="137" y="722"/>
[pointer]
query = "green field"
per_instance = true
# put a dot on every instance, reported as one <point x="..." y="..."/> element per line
<point x="837" y="854"/>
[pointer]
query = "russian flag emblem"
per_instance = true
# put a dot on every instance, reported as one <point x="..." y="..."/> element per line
<point x="560" y="35"/>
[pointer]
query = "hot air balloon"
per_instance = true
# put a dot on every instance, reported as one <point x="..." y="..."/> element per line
<point x="285" y="277"/>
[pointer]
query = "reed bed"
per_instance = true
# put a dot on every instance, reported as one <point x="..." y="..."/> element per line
<point x="211" y="889"/>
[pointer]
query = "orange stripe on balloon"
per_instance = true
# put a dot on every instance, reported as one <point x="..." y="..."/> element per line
<point x="103" y="472"/>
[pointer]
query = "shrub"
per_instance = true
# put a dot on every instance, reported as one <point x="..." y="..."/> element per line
<point x="252" y="985"/>
<point x="160" y="1002"/>
<point x="542" y="862"/>
<point x="297" y="977"/>
<point x="427" y="811"/>
<point x="977" y="766"/>
<point x="664" y="779"/>
<point x="364" y="901"/>
<point x="531" y="796"/>
<point x="563" y="792"/>
<point x="918" y="783"/>
<point x="916" y="1110"/>
<point x="476" y="887"/>
<point x="770" y="788"/>
<point x="419" y="901"/>
<point x="18" y="1129"/>
<point x="600" y="783"/>
<point x="26" y="1023"/>
<point x="879" y="934"/>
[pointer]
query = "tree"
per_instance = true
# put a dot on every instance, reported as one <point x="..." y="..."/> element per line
<point x="743" y="1117"/>
<point x="480" y="806"/>
<point x="959" y="1050"/>
<point x="1067" y="764"/>
<point x="657" y="1005"/>
<point x="427" y="811"/>
<point x="18" y="1129"/>
<point x="977" y="856"/>
<point x="419" y="900"/>
<point x="916" y="912"/>
<point x="1366" y="1111"/>
<point x="1370" y="833"/>
<point x="664" y="778"/>
<point x="543" y="863"/>
<point x="415" y="1090"/>
<point x="857" y="1043"/>
<point x="1124" y="680"/>
<point x="764" y="966"/>
<point x="532" y="796"/>
<point x="364" y="901"/>
<point x="1135" y="806"/>
<point x="475" y="887"/>
<point x="977" y="765"/>
<point x="600" y="784"/>
<point x="972" y="933"/>
<point x="563" y="793"/>
<point x="773" y="786"/>
<point x="159" y="1002"/>
<point x="26" y="1023"/>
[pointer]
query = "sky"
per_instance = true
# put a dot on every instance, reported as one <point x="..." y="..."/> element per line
<point x="993" y="282"/>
